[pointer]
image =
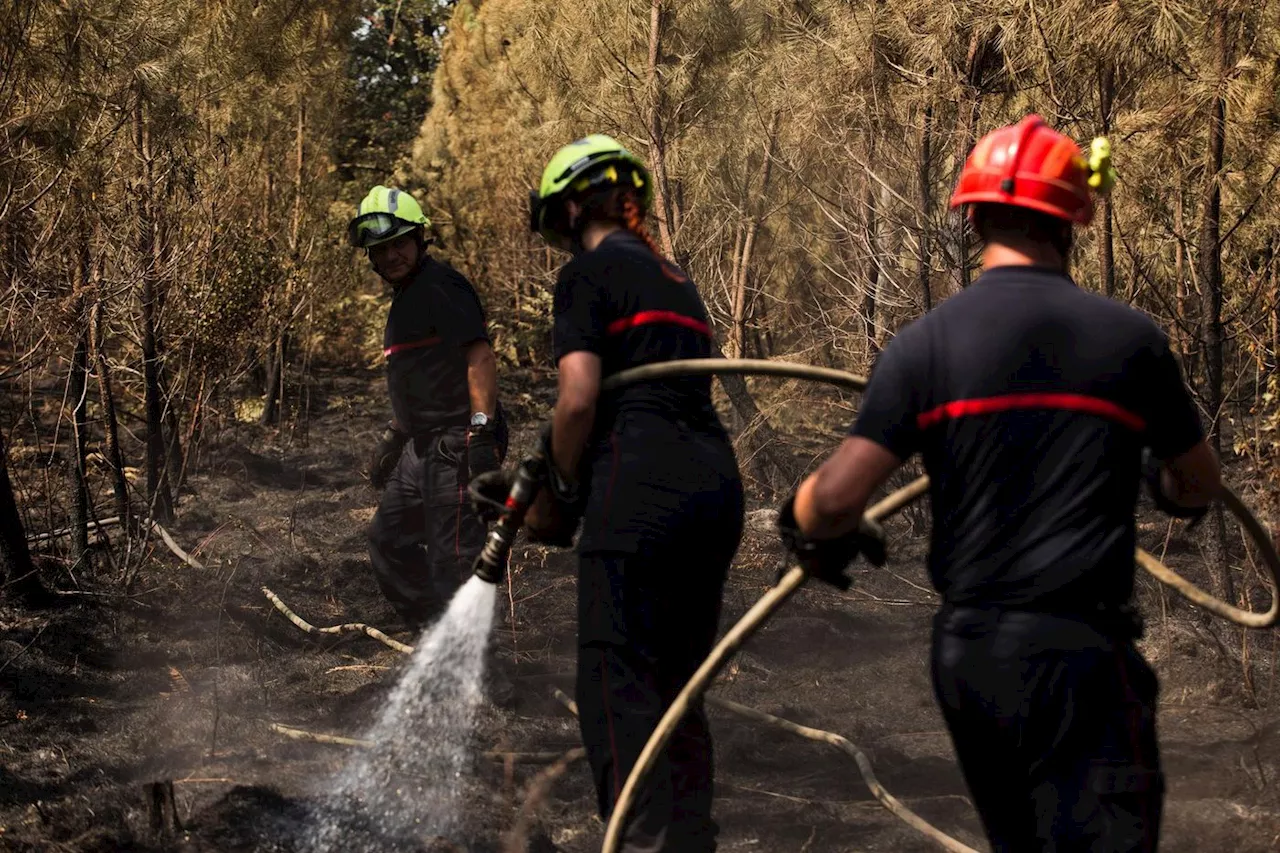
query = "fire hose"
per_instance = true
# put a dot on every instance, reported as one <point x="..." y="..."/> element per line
<point x="491" y="564"/>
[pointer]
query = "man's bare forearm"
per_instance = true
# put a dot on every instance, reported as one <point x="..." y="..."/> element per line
<point x="831" y="501"/>
<point x="482" y="378"/>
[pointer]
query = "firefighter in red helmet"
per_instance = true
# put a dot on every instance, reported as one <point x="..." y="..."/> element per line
<point x="1038" y="409"/>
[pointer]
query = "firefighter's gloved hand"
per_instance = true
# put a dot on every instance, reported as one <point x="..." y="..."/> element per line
<point x="827" y="559"/>
<point x="488" y="492"/>
<point x="385" y="456"/>
<point x="555" y="515"/>
<point x="483" y="453"/>
<point x="1151" y="468"/>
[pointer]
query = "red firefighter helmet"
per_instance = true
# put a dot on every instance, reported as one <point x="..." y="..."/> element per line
<point x="1030" y="165"/>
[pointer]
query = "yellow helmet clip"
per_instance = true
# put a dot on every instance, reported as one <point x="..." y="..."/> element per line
<point x="1102" y="175"/>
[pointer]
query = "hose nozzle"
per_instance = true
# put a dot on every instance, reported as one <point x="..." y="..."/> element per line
<point x="491" y="563"/>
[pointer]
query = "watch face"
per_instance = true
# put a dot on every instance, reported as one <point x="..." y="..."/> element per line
<point x="479" y="419"/>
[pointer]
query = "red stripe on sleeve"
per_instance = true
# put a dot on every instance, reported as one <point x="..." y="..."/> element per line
<point x="1009" y="402"/>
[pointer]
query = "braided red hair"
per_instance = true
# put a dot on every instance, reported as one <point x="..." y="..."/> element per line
<point x="633" y="219"/>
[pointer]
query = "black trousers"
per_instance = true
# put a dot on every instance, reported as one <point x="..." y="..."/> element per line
<point x="425" y="535"/>
<point x="645" y="624"/>
<point x="1053" y="721"/>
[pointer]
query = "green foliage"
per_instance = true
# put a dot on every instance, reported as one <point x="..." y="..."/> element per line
<point x="393" y="54"/>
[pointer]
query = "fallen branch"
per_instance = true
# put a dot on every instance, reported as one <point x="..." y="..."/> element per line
<point x="348" y="628"/>
<point x="301" y="734"/>
<point x="788" y="797"/>
<point x="517" y="838"/>
<point x="338" y="740"/>
<point x="173" y="546"/>
<point x="90" y="527"/>
<point x="566" y="701"/>
<point x="864" y="767"/>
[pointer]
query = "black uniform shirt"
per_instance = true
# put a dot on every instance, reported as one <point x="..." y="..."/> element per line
<point x="631" y="307"/>
<point x="430" y="324"/>
<point x="655" y="445"/>
<point x="1030" y="401"/>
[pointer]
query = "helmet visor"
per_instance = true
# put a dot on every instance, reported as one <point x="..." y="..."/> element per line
<point x="373" y="228"/>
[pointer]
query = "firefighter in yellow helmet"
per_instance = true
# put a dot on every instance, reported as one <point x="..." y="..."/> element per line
<point x="649" y="475"/>
<point x="447" y="423"/>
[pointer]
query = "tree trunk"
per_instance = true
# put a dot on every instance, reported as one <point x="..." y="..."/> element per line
<point x="738" y="331"/>
<point x="158" y="494"/>
<point x="1275" y="303"/>
<point x="1106" y="246"/>
<point x="273" y="404"/>
<point x="1209" y="250"/>
<point x="871" y="211"/>
<point x="271" y="387"/>
<point x="1275" y="315"/>
<point x="1188" y="341"/>
<point x="110" y="421"/>
<point x="173" y="445"/>
<point x="78" y="392"/>
<point x="871" y="228"/>
<point x="776" y="468"/>
<point x="157" y="468"/>
<point x="774" y="465"/>
<point x="17" y="573"/>
<point x="731" y="290"/>
<point x="924" y="177"/>
<point x="663" y="204"/>
<point x="966" y="141"/>
<point x="79" y="388"/>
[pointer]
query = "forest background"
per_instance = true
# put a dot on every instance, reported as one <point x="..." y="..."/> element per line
<point x="175" y="177"/>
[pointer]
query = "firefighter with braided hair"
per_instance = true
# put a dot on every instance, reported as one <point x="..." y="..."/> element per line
<point x="1038" y="409"/>
<point x="649" y="474"/>
<point x="447" y="425"/>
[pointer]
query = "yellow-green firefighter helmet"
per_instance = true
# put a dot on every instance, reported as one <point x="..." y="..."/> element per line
<point x="385" y="214"/>
<point x="591" y="162"/>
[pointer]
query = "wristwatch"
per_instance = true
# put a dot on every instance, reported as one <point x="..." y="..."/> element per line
<point x="479" y="421"/>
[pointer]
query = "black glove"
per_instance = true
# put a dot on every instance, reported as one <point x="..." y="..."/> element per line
<point x="567" y="502"/>
<point x="385" y="456"/>
<point x="1151" y="468"/>
<point x="483" y="453"/>
<point x="489" y="492"/>
<point x="826" y="559"/>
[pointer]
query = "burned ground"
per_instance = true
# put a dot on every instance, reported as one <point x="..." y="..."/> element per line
<point x="144" y="722"/>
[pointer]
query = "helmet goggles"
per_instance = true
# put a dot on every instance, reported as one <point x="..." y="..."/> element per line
<point x="371" y="229"/>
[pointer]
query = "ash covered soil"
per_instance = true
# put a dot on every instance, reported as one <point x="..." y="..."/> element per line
<point x="145" y="723"/>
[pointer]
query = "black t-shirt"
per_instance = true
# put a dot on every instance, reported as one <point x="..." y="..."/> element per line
<point x="631" y="307"/>
<point x="431" y="322"/>
<point x="655" y="445"/>
<point x="1030" y="401"/>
